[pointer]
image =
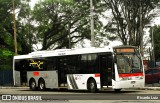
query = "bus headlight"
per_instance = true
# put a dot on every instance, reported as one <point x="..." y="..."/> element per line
<point x="141" y="77"/>
<point x="123" y="78"/>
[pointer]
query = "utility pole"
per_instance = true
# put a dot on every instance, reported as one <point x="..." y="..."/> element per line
<point x="29" y="33"/>
<point x="153" y="55"/>
<point x="15" y="38"/>
<point x="141" y="29"/>
<point x="69" y="27"/>
<point x="92" y="24"/>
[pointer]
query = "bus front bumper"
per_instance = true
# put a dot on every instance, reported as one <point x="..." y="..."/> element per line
<point x="128" y="84"/>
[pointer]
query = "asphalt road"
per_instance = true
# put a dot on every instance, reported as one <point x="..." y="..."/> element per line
<point x="63" y="96"/>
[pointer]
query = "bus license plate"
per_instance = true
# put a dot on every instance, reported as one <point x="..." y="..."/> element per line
<point x="133" y="82"/>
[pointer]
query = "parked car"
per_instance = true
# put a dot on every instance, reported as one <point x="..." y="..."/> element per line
<point x="152" y="76"/>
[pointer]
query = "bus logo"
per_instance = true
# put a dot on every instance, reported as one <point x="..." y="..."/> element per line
<point x="36" y="63"/>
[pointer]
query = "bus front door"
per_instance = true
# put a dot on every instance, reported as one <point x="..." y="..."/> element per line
<point x="105" y="70"/>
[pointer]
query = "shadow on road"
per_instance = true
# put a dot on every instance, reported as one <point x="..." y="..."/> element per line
<point x="84" y="91"/>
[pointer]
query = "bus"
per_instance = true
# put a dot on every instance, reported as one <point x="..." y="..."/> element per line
<point x="80" y="69"/>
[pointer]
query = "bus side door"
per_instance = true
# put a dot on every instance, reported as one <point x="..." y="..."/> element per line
<point x="105" y="69"/>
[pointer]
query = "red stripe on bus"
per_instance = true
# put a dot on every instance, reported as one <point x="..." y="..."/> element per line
<point x="36" y="73"/>
<point x="130" y="75"/>
<point x="97" y="75"/>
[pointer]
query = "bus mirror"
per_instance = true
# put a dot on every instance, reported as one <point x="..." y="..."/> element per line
<point x="115" y="60"/>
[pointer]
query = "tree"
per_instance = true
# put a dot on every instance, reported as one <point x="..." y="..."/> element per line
<point x="61" y="24"/>
<point x="6" y="25"/>
<point x="7" y="34"/>
<point x="6" y="21"/>
<point x="6" y="39"/>
<point x="129" y="17"/>
<point x="25" y="28"/>
<point x="156" y="36"/>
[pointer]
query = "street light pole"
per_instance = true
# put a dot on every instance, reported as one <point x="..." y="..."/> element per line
<point x="153" y="55"/>
<point x="141" y="29"/>
<point x="14" y="19"/>
<point x="92" y="24"/>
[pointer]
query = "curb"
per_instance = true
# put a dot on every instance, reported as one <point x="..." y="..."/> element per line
<point x="14" y="87"/>
<point x="146" y="88"/>
<point x="151" y="88"/>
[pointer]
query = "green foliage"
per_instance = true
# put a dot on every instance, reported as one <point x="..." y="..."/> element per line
<point x="58" y="19"/>
<point x="5" y="53"/>
<point x="7" y="35"/>
<point x="128" y="17"/>
<point x="156" y="35"/>
<point x="6" y="59"/>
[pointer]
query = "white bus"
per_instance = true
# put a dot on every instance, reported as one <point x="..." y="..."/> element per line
<point x="81" y="69"/>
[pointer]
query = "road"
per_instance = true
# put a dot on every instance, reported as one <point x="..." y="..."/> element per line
<point x="70" y="96"/>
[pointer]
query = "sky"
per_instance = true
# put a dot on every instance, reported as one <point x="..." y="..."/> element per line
<point x="33" y="2"/>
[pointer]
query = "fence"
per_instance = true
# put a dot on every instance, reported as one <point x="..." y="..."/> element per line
<point x="6" y="77"/>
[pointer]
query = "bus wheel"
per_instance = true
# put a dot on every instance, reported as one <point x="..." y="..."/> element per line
<point x="41" y="85"/>
<point x="117" y="90"/>
<point x="92" y="86"/>
<point x="32" y="84"/>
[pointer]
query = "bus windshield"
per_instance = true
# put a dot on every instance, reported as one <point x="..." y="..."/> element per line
<point x="129" y="63"/>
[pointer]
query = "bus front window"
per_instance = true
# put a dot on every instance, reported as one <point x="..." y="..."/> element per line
<point x="129" y="63"/>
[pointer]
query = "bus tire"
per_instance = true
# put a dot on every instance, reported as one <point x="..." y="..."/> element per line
<point x="92" y="86"/>
<point x="41" y="85"/>
<point x="32" y="84"/>
<point x="117" y="90"/>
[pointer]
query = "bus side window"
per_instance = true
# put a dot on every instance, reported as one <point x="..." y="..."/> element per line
<point x="83" y="63"/>
<point x="89" y="63"/>
<point x="93" y="63"/>
<point x="72" y="64"/>
<point x="51" y="63"/>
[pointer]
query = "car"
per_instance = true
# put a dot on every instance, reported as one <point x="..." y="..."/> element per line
<point x="152" y="76"/>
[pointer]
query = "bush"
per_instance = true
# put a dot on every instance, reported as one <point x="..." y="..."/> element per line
<point x="6" y="57"/>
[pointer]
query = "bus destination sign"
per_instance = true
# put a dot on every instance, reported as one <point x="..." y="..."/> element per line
<point x="124" y="50"/>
